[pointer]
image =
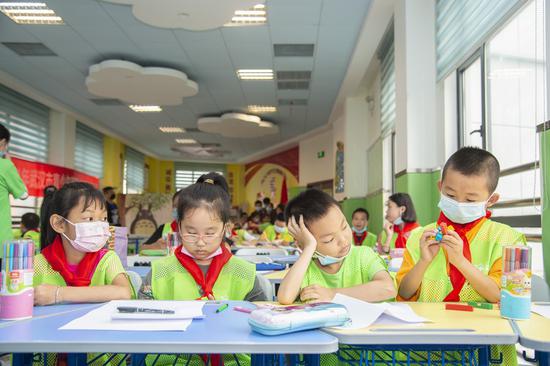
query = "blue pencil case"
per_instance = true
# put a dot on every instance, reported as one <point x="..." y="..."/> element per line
<point x="288" y="319"/>
<point x="269" y="266"/>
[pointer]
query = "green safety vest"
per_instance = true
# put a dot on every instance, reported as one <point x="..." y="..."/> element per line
<point x="272" y="235"/>
<point x="167" y="228"/>
<point x="370" y="240"/>
<point x="171" y="281"/>
<point x="486" y="249"/>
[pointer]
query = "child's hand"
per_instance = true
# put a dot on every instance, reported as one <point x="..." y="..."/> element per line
<point x="454" y="245"/>
<point x="388" y="228"/>
<point x="428" y="246"/>
<point x="303" y="236"/>
<point x="45" y="294"/>
<point x="316" y="293"/>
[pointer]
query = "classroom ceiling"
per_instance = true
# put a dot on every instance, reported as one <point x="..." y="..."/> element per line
<point x="303" y="91"/>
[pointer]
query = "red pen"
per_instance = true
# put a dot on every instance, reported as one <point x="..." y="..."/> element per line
<point x="459" y="307"/>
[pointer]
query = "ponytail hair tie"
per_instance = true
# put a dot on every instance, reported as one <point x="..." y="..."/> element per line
<point x="209" y="181"/>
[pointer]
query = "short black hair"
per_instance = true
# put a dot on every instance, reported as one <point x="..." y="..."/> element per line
<point x="312" y="204"/>
<point x="361" y="210"/>
<point x="107" y="189"/>
<point x="30" y="220"/>
<point x="474" y="161"/>
<point x="258" y="202"/>
<point x="266" y="201"/>
<point x="4" y="133"/>
<point x="280" y="217"/>
<point x="210" y="190"/>
<point x="403" y="199"/>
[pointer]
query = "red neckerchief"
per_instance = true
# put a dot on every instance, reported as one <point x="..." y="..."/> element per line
<point x="174" y="226"/>
<point x="403" y="234"/>
<point x="214" y="269"/>
<point x="457" y="278"/>
<point x="55" y="255"/>
<point x="358" y="238"/>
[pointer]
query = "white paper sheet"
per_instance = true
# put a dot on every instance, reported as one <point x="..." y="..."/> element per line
<point x="364" y="314"/>
<point x="543" y="310"/>
<point x="102" y="317"/>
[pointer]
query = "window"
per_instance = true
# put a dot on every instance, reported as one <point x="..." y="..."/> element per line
<point x="387" y="83"/>
<point x="28" y="122"/>
<point x="134" y="172"/>
<point x="88" y="152"/>
<point x="471" y="115"/>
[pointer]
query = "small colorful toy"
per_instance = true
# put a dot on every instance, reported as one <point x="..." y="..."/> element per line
<point x="441" y="230"/>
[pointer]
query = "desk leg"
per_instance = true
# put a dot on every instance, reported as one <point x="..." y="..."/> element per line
<point x="22" y="359"/>
<point x="543" y="358"/>
<point x="483" y="354"/>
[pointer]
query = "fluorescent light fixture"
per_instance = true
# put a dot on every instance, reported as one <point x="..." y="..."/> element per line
<point x="145" y="108"/>
<point x="256" y="15"/>
<point x="255" y="74"/>
<point x="187" y="141"/>
<point x="171" y="129"/>
<point x="262" y="109"/>
<point x="30" y="13"/>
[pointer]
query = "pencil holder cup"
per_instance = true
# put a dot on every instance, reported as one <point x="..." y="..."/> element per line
<point x="16" y="284"/>
<point x="515" y="293"/>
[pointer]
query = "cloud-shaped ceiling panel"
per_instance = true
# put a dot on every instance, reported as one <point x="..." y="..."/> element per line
<point x="196" y="15"/>
<point x="237" y="125"/>
<point x="134" y="84"/>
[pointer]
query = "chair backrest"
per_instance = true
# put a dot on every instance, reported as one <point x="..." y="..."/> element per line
<point x="266" y="286"/>
<point x="540" y="291"/>
<point x="261" y="251"/>
<point x="135" y="280"/>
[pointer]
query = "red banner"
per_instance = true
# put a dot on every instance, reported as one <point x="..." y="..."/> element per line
<point x="37" y="176"/>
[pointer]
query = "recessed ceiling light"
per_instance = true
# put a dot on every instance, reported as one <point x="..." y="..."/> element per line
<point x="255" y="74"/>
<point x="254" y="16"/>
<point x="262" y="109"/>
<point x="172" y="129"/>
<point x="186" y="141"/>
<point x="30" y="13"/>
<point x="145" y="108"/>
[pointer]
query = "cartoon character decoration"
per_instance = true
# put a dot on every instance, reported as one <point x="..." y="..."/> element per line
<point x="144" y="223"/>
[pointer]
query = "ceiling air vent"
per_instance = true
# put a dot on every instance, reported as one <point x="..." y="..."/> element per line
<point x="293" y="85"/>
<point x="29" y="48"/>
<point x="292" y="102"/>
<point x="293" y="50"/>
<point x="293" y="75"/>
<point x="106" y="101"/>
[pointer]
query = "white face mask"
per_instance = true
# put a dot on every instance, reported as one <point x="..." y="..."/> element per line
<point x="462" y="212"/>
<point x="280" y="229"/>
<point x="90" y="237"/>
<point x="175" y="213"/>
<point x="215" y="254"/>
<point x="398" y="221"/>
<point x="326" y="260"/>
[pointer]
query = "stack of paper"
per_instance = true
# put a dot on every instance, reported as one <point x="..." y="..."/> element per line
<point x="107" y="317"/>
<point x="364" y="314"/>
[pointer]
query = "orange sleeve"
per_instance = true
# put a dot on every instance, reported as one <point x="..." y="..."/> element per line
<point x="495" y="273"/>
<point x="408" y="264"/>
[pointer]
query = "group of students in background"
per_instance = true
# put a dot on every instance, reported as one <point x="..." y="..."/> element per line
<point x="336" y="257"/>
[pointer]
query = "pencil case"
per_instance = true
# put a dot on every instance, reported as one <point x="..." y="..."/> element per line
<point x="288" y="319"/>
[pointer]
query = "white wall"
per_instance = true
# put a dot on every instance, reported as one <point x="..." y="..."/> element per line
<point x="313" y="169"/>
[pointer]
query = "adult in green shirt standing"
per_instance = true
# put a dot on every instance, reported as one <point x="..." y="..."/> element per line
<point x="10" y="183"/>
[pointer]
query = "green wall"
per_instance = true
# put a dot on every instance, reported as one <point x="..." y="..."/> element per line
<point x="294" y="191"/>
<point x="422" y="187"/>
<point x="349" y="205"/>
<point x="375" y="206"/>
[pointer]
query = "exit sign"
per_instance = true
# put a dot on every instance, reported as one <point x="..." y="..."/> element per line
<point x="320" y="154"/>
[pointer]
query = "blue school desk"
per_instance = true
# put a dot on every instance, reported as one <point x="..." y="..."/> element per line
<point x="227" y="332"/>
<point x="461" y="335"/>
<point x="535" y="334"/>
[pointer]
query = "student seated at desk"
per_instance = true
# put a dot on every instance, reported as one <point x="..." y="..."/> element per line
<point x="467" y="264"/>
<point x="401" y="221"/>
<point x="72" y="266"/>
<point x="277" y="232"/>
<point x="330" y="263"/>
<point x="202" y="268"/>
<point x="157" y="240"/>
<point x="359" y="226"/>
<point x="30" y="222"/>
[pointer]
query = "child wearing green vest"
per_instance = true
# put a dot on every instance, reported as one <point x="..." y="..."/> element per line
<point x="202" y="268"/>
<point x="401" y="221"/>
<point x="330" y="263"/>
<point x="466" y="265"/>
<point x="359" y="226"/>
<point x="73" y="266"/>
<point x="30" y="222"/>
<point x="277" y="232"/>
